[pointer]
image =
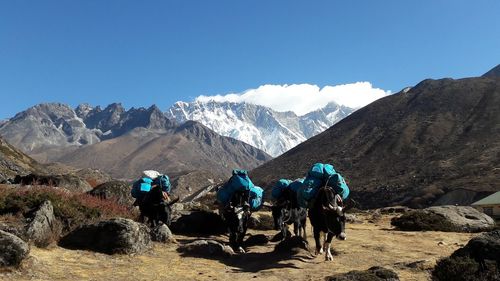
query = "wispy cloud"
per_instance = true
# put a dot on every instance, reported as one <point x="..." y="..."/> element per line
<point x="304" y="98"/>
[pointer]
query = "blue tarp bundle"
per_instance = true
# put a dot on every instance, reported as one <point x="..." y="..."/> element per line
<point x="141" y="187"/>
<point x="279" y="187"/>
<point x="256" y="195"/>
<point x="319" y="175"/>
<point x="238" y="182"/>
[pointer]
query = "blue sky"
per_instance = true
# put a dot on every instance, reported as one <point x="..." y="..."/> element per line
<point x="145" y="52"/>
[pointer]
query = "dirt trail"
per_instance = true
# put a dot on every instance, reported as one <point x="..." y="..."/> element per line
<point x="368" y="244"/>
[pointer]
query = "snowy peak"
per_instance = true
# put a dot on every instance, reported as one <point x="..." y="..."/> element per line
<point x="58" y="125"/>
<point x="272" y="131"/>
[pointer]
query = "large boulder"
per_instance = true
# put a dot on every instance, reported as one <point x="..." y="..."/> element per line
<point x="43" y="228"/>
<point x="206" y="248"/>
<point x="261" y="221"/>
<point x="161" y="233"/>
<point x="114" y="236"/>
<point x="199" y="223"/>
<point x="478" y="260"/>
<point x="13" y="250"/>
<point x="375" y="273"/>
<point x="445" y="218"/>
<point x="114" y="190"/>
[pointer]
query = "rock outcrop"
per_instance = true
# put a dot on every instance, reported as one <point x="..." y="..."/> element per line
<point x="114" y="236"/>
<point x="478" y="260"/>
<point x="161" y="233"/>
<point x="445" y="218"/>
<point x="13" y="250"/>
<point x="43" y="228"/>
<point x="114" y="190"/>
<point x="206" y="248"/>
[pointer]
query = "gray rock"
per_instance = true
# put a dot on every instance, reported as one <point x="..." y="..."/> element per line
<point x="114" y="190"/>
<point x="114" y="236"/>
<point x="375" y="273"/>
<point x="352" y="218"/>
<point x="206" y="248"/>
<point x="161" y="233"/>
<point x="261" y="221"/>
<point x="13" y="250"/>
<point x="478" y="260"/>
<point x="485" y="246"/>
<point x="43" y="228"/>
<point x="445" y="218"/>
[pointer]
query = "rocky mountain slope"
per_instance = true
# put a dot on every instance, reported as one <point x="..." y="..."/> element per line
<point x="187" y="148"/>
<point x="46" y="131"/>
<point x="410" y="148"/>
<point x="125" y="142"/>
<point x="14" y="162"/>
<point x="274" y="132"/>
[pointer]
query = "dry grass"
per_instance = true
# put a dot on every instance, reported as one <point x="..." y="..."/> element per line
<point x="368" y="245"/>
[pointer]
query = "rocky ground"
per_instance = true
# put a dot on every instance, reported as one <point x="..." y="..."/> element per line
<point x="371" y="242"/>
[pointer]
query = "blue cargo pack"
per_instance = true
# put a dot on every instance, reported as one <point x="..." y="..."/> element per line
<point x="164" y="182"/>
<point x="279" y="187"/>
<point x="296" y="185"/>
<point x="255" y="195"/>
<point x="339" y="185"/>
<point x="239" y="181"/>
<point x="141" y="187"/>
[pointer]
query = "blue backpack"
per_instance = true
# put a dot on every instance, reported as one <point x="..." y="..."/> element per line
<point x="339" y="185"/>
<point x="279" y="187"/>
<point x="164" y="182"/>
<point x="141" y="187"/>
<point x="255" y="197"/>
<point x="239" y="181"/>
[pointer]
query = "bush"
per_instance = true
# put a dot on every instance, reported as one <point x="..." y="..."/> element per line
<point x="71" y="209"/>
<point x="462" y="269"/>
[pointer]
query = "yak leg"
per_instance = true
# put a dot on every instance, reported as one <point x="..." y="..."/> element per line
<point x="327" y="247"/>
<point x="317" y="234"/>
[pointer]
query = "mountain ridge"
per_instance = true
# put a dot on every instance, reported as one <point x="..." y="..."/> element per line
<point x="272" y="131"/>
<point x="409" y="148"/>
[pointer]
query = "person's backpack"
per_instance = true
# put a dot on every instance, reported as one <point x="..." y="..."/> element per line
<point x="141" y="187"/>
<point x="163" y="182"/>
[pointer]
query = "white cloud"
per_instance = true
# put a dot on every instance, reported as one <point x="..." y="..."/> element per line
<point x="304" y="98"/>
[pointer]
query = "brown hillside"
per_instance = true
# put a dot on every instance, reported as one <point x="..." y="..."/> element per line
<point x="190" y="147"/>
<point x="409" y="148"/>
<point x="14" y="162"/>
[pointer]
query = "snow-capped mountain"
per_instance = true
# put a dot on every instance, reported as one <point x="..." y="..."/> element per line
<point x="58" y="125"/>
<point x="269" y="130"/>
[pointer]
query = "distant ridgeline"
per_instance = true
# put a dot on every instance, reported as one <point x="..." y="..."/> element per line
<point x="125" y="142"/>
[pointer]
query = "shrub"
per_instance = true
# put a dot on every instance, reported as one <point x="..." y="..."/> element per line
<point x="462" y="269"/>
<point x="71" y="209"/>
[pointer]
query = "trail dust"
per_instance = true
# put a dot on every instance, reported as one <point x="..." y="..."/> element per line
<point x="368" y="244"/>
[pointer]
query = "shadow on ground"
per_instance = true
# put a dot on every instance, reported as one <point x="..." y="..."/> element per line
<point x="256" y="261"/>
